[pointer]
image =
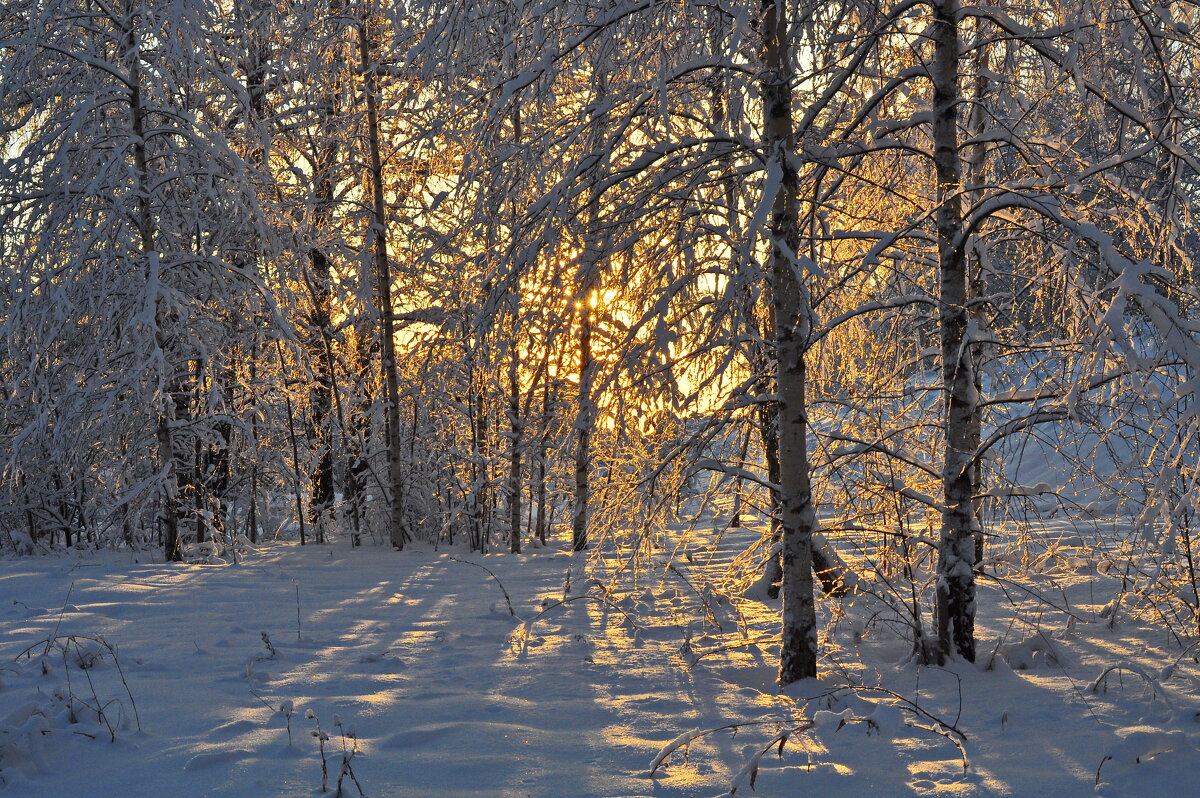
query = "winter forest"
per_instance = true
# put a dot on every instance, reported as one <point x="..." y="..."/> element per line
<point x="599" y="397"/>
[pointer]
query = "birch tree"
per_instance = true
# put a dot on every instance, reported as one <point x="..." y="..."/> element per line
<point x="1029" y="171"/>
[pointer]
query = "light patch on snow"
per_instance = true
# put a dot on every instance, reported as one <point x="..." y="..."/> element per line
<point x="448" y="694"/>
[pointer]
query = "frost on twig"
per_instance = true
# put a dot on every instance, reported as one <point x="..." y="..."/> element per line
<point x="684" y="741"/>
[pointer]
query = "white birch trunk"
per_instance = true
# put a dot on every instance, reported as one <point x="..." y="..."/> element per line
<point x="793" y="322"/>
<point x="956" y="547"/>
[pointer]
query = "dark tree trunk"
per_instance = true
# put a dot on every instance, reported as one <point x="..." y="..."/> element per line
<point x="516" y="428"/>
<point x="397" y="532"/>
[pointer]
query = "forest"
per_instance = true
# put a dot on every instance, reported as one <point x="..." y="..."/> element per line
<point x="866" y="315"/>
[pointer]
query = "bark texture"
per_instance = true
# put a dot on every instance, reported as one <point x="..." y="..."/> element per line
<point x="793" y="321"/>
<point x="956" y="547"/>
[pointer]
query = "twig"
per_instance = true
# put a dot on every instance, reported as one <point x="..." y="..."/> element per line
<point x="1002" y="581"/>
<point x="321" y="736"/>
<point x="54" y="634"/>
<point x="264" y="701"/>
<point x="1156" y="689"/>
<point x="708" y="610"/>
<point x="507" y="600"/>
<point x="527" y="626"/>
<point x="731" y="646"/>
<point x="911" y="707"/>
<point x="1184" y="654"/>
<point x="751" y="768"/>
<point x="685" y="740"/>
<point x="124" y="683"/>
<point x="939" y="730"/>
<point x="99" y="709"/>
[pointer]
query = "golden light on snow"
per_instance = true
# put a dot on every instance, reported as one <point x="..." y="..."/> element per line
<point x="940" y="777"/>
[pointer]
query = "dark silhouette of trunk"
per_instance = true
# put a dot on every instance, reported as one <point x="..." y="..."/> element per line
<point x="397" y="532"/>
<point x="591" y="263"/>
<point x="196" y="485"/>
<point x="256" y="57"/>
<point x="287" y="399"/>
<point x="64" y="511"/>
<point x="317" y="337"/>
<point x="219" y="454"/>
<point x="583" y="431"/>
<point x="143" y="220"/>
<point x="477" y="418"/>
<point x="357" y="425"/>
<point x="516" y="429"/>
<point x="320" y="395"/>
<point x="976" y="283"/>
<point x="252" y="511"/>
<point x="540" y="472"/>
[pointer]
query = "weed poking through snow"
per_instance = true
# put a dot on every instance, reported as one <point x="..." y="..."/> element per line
<point x="349" y="749"/>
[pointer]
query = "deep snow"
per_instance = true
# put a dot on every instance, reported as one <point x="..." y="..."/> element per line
<point x="448" y="694"/>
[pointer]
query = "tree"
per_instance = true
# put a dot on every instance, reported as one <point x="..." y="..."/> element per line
<point x="793" y="324"/>
<point x="1029" y="172"/>
<point x="136" y="171"/>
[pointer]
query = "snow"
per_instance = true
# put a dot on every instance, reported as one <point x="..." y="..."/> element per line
<point x="422" y="683"/>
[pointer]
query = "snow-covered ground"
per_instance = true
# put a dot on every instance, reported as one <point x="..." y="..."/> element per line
<point x="447" y="693"/>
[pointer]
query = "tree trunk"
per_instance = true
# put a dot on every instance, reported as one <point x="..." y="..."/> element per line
<point x="956" y="547"/>
<point x="793" y="322"/>
<point x="397" y="532"/>
<point x="358" y="431"/>
<point x="976" y="284"/>
<point x="219" y="455"/>
<point x="514" y="463"/>
<point x="319" y="282"/>
<point x="477" y="417"/>
<point x="197" y="482"/>
<point x="252" y="511"/>
<point x="586" y="304"/>
<point x="583" y="424"/>
<point x="144" y="222"/>
<point x="256" y="57"/>
<point x="287" y="398"/>
<point x="320" y="396"/>
<point x="543" y="452"/>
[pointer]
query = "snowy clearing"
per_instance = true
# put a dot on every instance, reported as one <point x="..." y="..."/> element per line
<point x="448" y="694"/>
